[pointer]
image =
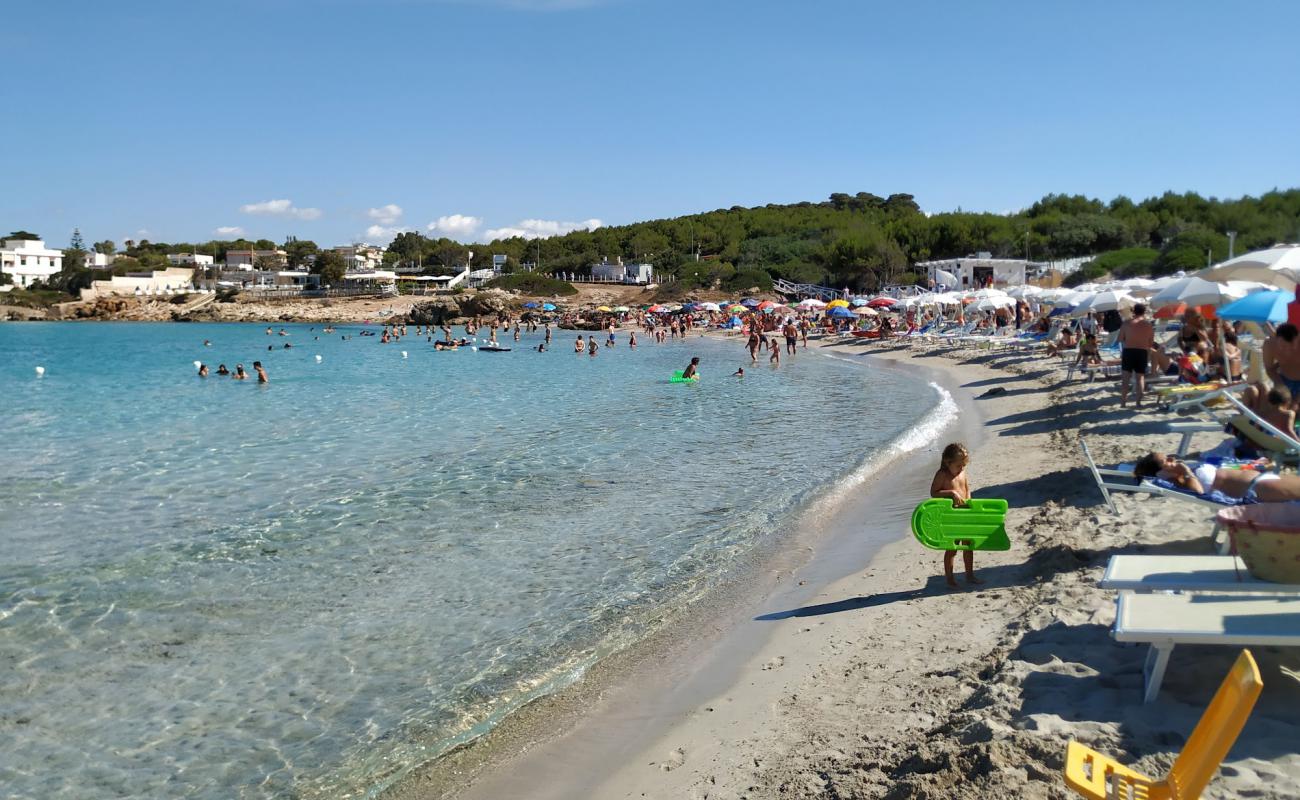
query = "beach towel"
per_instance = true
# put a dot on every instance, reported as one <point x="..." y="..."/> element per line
<point x="1214" y="497"/>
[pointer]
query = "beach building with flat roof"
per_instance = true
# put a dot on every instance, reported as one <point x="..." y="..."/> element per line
<point x="189" y="259"/>
<point x="619" y="272"/>
<point x="976" y="272"/>
<point x="27" y="261"/>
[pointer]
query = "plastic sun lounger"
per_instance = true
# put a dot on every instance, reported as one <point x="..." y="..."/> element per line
<point x="980" y="525"/>
<point x="1100" y="475"/>
<point x="1224" y="573"/>
<point x="1098" y="777"/>
<point x="1166" y="620"/>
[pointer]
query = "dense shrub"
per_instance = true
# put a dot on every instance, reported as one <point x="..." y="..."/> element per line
<point x="533" y="283"/>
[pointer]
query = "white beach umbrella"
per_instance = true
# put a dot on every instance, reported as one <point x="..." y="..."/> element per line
<point x="1195" y="291"/>
<point x="983" y="294"/>
<point x="811" y="302"/>
<point x="1021" y="292"/>
<point x="1108" y="300"/>
<point x="1277" y="266"/>
<point x="866" y="311"/>
<point x="710" y="306"/>
<point x="993" y="303"/>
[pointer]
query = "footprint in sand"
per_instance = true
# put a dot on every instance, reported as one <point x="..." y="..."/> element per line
<point x="775" y="663"/>
<point x="674" y="760"/>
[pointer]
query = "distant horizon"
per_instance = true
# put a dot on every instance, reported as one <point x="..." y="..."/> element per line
<point x="342" y="121"/>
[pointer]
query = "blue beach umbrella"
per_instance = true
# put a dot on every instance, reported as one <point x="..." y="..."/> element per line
<point x="749" y="302"/>
<point x="548" y="306"/>
<point x="1261" y="307"/>
<point x="859" y="301"/>
<point x="840" y="312"/>
<point x="530" y="305"/>
<point x="1061" y="311"/>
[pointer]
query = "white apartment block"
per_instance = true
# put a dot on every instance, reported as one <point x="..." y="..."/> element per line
<point x="28" y="260"/>
<point x="361" y="257"/>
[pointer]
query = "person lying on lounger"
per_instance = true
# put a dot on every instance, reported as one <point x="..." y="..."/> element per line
<point x="1243" y="484"/>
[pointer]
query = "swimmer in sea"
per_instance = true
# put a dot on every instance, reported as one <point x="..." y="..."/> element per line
<point x="631" y="339"/>
<point x="692" y="372"/>
<point x="203" y="370"/>
<point x="240" y="375"/>
<point x="207" y="343"/>
<point x="221" y="370"/>
<point x="261" y="373"/>
<point x="592" y="347"/>
<point x="578" y="346"/>
<point x="739" y="373"/>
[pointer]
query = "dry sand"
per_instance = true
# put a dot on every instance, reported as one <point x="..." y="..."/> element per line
<point x="885" y="684"/>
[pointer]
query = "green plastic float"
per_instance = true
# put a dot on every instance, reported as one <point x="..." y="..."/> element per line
<point x="677" y="377"/>
<point x="981" y="525"/>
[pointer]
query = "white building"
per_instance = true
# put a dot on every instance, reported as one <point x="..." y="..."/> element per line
<point x="158" y="282"/>
<point x="28" y="260"/>
<point x="976" y="272"/>
<point x="622" y="273"/>
<point x="246" y="259"/>
<point x="98" y="260"/>
<point x="361" y="257"/>
<point x="190" y="260"/>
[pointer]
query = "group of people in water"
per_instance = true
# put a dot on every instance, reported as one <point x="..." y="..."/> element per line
<point x="238" y="374"/>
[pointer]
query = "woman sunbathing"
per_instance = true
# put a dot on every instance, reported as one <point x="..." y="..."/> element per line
<point x="1244" y="484"/>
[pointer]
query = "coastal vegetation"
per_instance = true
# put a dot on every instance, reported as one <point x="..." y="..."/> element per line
<point x="533" y="283"/>
<point x="862" y="241"/>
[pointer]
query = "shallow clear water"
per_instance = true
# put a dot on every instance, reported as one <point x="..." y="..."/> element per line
<point x="212" y="589"/>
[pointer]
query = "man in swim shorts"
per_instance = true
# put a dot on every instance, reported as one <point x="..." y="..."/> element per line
<point x="1137" y="336"/>
<point x="691" y="371"/>
<point x="1282" y="357"/>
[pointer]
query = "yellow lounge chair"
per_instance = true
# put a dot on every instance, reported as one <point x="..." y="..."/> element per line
<point x="1095" y="776"/>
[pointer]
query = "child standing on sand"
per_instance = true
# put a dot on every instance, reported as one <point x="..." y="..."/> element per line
<point x="950" y="482"/>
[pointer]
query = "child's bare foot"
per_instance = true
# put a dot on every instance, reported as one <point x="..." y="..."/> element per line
<point x="952" y="584"/>
<point x="972" y="579"/>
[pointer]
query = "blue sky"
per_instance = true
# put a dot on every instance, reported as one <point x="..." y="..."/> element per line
<point x="339" y="120"/>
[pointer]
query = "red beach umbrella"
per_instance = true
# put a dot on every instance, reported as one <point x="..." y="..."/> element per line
<point x="882" y="302"/>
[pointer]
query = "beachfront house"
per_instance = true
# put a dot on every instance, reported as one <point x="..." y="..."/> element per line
<point x="27" y="261"/>
<point x="189" y="260"/>
<point x="99" y="260"/>
<point x="976" y="272"/>
<point x="361" y="257"/>
<point x="247" y="259"/>
<point x="618" y="272"/>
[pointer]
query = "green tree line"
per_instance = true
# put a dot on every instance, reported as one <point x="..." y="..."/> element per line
<point x="861" y="240"/>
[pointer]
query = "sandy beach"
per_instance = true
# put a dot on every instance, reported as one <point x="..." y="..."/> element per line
<point x="850" y="670"/>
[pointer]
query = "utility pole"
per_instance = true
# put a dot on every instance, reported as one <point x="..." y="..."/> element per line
<point x="1232" y="241"/>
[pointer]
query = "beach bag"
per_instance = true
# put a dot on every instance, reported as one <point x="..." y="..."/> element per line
<point x="1111" y="321"/>
<point x="1267" y="537"/>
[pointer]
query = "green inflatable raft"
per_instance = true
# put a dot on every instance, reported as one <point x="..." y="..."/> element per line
<point x="677" y="378"/>
<point x="981" y="525"/>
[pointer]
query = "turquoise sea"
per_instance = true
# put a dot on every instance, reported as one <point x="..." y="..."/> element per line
<point x="213" y="589"/>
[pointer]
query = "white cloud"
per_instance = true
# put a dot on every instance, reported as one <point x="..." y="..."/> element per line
<point x="382" y="234"/>
<point x="541" y="229"/>
<point x="229" y="230"/>
<point x="386" y="215"/>
<point x="456" y="225"/>
<point x="281" y="208"/>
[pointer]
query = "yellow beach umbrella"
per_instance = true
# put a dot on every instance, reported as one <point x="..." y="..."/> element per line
<point x="837" y="304"/>
<point x="604" y="308"/>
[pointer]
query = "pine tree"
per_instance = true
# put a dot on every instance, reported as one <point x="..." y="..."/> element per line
<point x="77" y="243"/>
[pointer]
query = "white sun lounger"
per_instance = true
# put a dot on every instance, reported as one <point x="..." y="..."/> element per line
<point x="1137" y="573"/>
<point x="1167" y="620"/>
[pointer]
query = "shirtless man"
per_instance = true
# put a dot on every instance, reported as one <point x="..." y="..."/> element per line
<point x="1136" y="336"/>
<point x="261" y="373"/>
<point x="791" y="336"/>
<point x="1282" y="357"/>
